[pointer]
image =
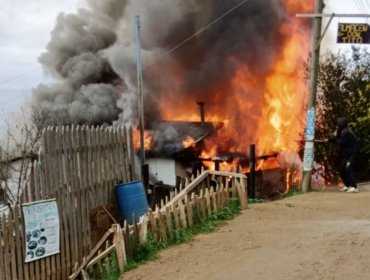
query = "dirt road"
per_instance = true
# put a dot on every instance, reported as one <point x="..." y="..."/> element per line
<point x="320" y="235"/>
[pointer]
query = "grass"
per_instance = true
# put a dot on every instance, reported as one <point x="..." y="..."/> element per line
<point x="255" y="200"/>
<point x="149" y="251"/>
<point x="292" y="192"/>
<point x="108" y="269"/>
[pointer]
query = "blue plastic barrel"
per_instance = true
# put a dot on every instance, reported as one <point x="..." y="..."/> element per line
<point x="131" y="200"/>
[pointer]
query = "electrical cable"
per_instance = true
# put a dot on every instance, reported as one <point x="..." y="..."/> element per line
<point x="357" y="6"/>
<point x="363" y="6"/>
<point x="196" y="33"/>
<point x="20" y="75"/>
<point x="163" y="56"/>
<point x="360" y="6"/>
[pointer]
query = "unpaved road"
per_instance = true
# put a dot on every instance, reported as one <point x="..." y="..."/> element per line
<point x="320" y="235"/>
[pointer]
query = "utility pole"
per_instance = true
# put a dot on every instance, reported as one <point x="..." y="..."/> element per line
<point x="140" y="90"/>
<point x="314" y="70"/>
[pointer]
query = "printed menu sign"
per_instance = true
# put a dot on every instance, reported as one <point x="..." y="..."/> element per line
<point x="41" y="221"/>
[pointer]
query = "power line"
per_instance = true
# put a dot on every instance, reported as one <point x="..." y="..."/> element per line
<point x="197" y="33"/>
<point x="360" y="6"/>
<point x="19" y="76"/>
<point x="357" y="5"/>
<point x="363" y="5"/>
<point x="163" y="56"/>
<point x="368" y="3"/>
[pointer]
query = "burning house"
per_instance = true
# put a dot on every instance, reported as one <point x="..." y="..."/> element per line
<point x="244" y="59"/>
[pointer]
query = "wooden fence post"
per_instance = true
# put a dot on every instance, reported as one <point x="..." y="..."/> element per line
<point x="120" y="246"/>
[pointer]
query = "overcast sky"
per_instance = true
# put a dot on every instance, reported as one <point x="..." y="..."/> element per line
<point x="25" y="27"/>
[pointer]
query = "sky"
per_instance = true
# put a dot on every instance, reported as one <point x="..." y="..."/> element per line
<point x="25" y="28"/>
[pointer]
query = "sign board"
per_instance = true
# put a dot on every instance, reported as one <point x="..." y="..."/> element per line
<point x="41" y="221"/>
<point x="310" y="124"/>
<point x="353" y="33"/>
<point x="308" y="156"/>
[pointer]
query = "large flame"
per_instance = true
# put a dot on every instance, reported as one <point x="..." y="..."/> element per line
<point x="265" y="109"/>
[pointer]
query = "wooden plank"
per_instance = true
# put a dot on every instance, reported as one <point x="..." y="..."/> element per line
<point x="69" y="211"/>
<point x="214" y="200"/>
<point x="127" y="240"/>
<point x="111" y="154"/>
<point x="153" y="225"/>
<point x="182" y="215"/>
<point x="5" y="246"/>
<point x="92" y="253"/>
<point x="19" y="236"/>
<point x="243" y="185"/>
<point x="189" y="213"/>
<point x="79" y="185"/>
<point x="188" y="188"/>
<point x="143" y="230"/>
<point x="74" y="173"/>
<point x="227" y="174"/>
<point x="13" y="262"/>
<point x="123" y="155"/>
<point x="6" y="250"/>
<point x="176" y="216"/>
<point x="105" y="167"/>
<point x="44" y="183"/>
<point x="52" y="181"/>
<point x="125" y="148"/>
<point x="66" y="234"/>
<point x="120" y="246"/>
<point x="217" y="198"/>
<point x="208" y="202"/>
<point x="132" y="155"/>
<point x="102" y="255"/>
<point x="83" y="217"/>
<point x="222" y="194"/>
<point x="168" y="216"/>
<point x="202" y="204"/>
<point x="241" y="197"/>
<point x="162" y="228"/>
<point x="226" y="196"/>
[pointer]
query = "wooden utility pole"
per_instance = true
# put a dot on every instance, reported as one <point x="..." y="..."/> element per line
<point x="314" y="70"/>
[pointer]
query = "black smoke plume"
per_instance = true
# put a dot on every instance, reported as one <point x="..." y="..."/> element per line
<point x="91" y="54"/>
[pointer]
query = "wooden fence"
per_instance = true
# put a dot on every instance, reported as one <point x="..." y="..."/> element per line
<point x="79" y="167"/>
<point x="193" y="202"/>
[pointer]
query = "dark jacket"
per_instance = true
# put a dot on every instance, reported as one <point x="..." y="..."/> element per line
<point x="346" y="140"/>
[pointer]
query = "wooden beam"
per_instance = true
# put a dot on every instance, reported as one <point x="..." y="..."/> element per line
<point x="186" y="190"/>
<point x="227" y="174"/>
<point x="119" y="243"/>
<point x="100" y="256"/>
<point x="92" y="253"/>
<point x="312" y="15"/>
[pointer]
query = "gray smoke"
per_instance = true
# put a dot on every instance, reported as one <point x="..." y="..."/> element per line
<point x="86" y="89"/>
<point x="92" y="56"/>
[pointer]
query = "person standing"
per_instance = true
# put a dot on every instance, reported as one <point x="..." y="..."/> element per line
<point x="349" y="148"/>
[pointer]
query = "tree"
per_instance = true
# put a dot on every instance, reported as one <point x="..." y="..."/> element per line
<point x="18" y="149"/>
<point x="344" y="91"/>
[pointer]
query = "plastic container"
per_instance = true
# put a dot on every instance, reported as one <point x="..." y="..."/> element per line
<point x="131" y="200"/>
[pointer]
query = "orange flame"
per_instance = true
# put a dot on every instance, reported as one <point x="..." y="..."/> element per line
<point x="267" y="110"/>
<point x="148" y="140"/>
<point x="188" y="142"/>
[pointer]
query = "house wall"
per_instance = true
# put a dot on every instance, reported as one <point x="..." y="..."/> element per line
<point x="163" y="169"/>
